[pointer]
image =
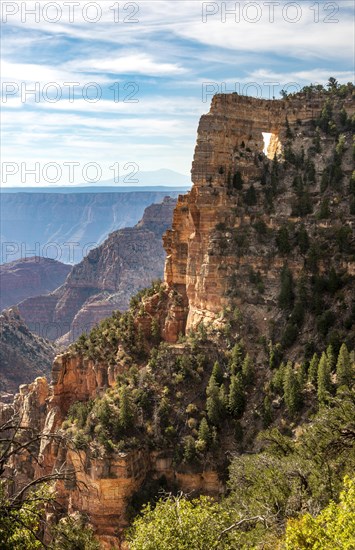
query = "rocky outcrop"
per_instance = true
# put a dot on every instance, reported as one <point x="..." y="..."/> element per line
<point x="23" y="355"/>
<point x="213" y="245"/>
<point x="104" y="280"/>
<point x="32" y="276"/>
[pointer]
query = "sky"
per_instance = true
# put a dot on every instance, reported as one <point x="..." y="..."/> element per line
<point x="93" y="91"/>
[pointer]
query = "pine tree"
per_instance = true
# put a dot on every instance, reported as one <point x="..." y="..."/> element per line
<point x="292" y="390"/>
<point x="286" y="296"/>
<point x="236" y="396"/>
<point x="237" y="181"/>
<point x="155" y="331"/>
<point x="213" y="405"/>
<point x="313" y="370"/>
<point x="217" y="373"/>
<point x="204" y="433"/>
<point x="248" y="370"/>
<point x="344" y="374"/>
<point x="330" y="358"/>
<point x="126" y="413"/>
<point x="267" y="412"/>
<point x="289" y="134"/>
<point x="235" y="361"/>
<point x="323" y="379"/>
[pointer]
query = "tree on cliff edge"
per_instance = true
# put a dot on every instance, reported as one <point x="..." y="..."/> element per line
<point x="23" y="508"/>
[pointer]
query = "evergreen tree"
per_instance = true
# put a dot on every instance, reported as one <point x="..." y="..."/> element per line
<point x="292" y="390"/>
<point x="204" y="433"/>
<point x="331" y="358"/>
<point x="217" y="373"/>
<point x="289" y="134"/>
<point x="303" y="239"/>
<point x="283" y="240"/>
<point x="238" y="181"/>
<point x="235" y="361"/>
<point x="236" y="396"/>
<point x="267" y="412"/>
<point x="155" y="330"/>
<point x="213" y="405"/>
<point x="313" y="370"/>
<point x="250" y="196"/>
<point x="126" y="413"/>
<point x="344" y="374"/>
<point x="323" y="379"/>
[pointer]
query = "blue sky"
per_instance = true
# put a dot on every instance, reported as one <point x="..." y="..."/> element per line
<point x="159" y="56"/>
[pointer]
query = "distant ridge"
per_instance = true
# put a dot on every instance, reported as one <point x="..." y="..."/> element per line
<point x="96" y="189"/>
<point x="156" y="180"/>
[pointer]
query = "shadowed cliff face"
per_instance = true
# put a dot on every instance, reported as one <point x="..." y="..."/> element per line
<point x="104" y="280"/>
<point x="23" y="355"/>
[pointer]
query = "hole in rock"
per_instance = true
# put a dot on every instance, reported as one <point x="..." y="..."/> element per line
<point x="272" y="145"/>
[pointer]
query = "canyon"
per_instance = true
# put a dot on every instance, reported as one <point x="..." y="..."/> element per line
<point x="127" y="261"/>
<point x="66" y="226"/>
<point x="250" y="222"/>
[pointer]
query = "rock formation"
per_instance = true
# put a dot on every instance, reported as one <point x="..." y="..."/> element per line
<point x="104" y="280"/>
<point x="32" y="276"/>
<point x="264" y="243"/>
<point x="213" y="242"/>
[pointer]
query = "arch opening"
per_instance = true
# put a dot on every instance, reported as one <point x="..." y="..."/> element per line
<point x="272" y="145"/>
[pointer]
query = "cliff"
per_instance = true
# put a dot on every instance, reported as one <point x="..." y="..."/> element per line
<point x="23" y="355"/>
<point x="32" y="276"/>
<point x="259" y="273"/>
<point x="226" y="231"/>
<point x="128" y="260"/>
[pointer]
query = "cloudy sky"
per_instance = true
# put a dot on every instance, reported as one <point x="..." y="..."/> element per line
<point x="123" y="84"/>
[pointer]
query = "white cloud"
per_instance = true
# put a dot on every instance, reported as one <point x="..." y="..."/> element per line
<point x="126" y="63"/>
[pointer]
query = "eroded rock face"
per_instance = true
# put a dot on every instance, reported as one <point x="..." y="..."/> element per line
<point x="104" y="280"/>
<point x="103" y="487"/>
